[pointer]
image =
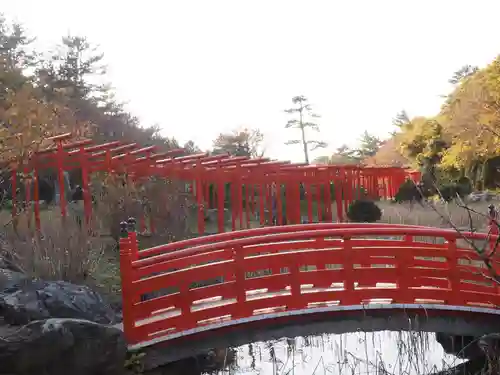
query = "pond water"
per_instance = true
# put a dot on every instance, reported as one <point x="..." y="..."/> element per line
<point x="384" y="352"/>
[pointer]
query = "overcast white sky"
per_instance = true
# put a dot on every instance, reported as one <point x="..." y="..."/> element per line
<point x="200" y="67"/>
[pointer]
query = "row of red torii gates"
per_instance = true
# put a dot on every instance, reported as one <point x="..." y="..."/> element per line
<point x="211" y="177"/>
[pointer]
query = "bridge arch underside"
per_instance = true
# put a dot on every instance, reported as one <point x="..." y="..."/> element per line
<point x="456" y="320"/>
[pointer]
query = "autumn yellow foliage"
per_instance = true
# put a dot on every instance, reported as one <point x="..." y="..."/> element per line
<point x="28" y="120"/>
<point x="466" y="131"/>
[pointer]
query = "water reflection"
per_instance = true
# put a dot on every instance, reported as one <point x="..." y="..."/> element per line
<point x="355" y="353"/>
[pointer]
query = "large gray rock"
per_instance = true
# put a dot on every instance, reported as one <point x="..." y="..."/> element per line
<point x="66" y="327"/>
<point x="62" y="347"/>
<point x="31" y="300"/>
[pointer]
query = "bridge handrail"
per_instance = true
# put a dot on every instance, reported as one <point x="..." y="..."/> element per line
<point x="177" y="245"/>
<point x="238" y="265"/>
<point x="312" y="233"/>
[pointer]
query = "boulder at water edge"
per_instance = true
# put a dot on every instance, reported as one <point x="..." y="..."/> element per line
<point x="52" y="328"/>
<point x="27" y="300"/>
<point x="62" y="347"/>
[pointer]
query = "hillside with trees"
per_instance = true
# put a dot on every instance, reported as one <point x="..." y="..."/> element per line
<point x="240" y="142"/>
<point x="462" y="139"/>
<point x="44" y="93"/>
<point x="368" y="146"/>
<point x="389" y="154"/>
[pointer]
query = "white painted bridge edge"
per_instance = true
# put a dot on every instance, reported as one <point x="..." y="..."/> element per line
<point x="308" y="311"/>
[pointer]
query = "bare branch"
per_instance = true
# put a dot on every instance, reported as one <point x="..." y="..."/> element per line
<point x="486" y="258"/>
<point x="292" y="123"/>
<point x="317" y="144"/>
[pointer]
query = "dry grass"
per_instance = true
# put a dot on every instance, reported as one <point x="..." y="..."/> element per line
<point x="427" y="216"/>
<point x="439" y="217"/>
<point x="62" y="250"/>
<point x="65" y="250"/>
<point x="162" y="202"/>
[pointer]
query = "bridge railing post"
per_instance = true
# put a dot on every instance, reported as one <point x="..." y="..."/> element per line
<point x="493" y="229"/>
<point x="239" y="270"/>
<point x="404" y="261"/>
<point x="297" y="301"/>
<point x="348" y="272"/>
<point x="132" y="235"/>
<point x="494" y="241"/>
<point x="454" y="275"/>
<point x="126" y="283"/>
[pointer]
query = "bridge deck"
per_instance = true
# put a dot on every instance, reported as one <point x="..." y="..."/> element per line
<point x="457" y="320"/>
<point x="253" y="295"/>
<point x="272" y="279"/>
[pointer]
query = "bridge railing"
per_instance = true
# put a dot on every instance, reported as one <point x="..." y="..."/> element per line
<point x="191" y="242"/>
<point x="231" y="276"/>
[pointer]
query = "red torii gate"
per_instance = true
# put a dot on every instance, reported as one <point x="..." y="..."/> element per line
<point x="111" y="157"/>
<point x="250" y="180"/>
<point x="248" y="175"/>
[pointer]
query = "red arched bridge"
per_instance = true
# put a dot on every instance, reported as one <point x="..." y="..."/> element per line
<point x="281" y="279"/>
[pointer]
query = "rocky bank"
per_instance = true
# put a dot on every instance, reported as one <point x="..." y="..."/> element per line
<point x="51" y="327"/>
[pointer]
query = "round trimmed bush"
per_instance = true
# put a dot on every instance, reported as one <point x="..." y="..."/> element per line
<point x="364" y="211"/>
<point x="451" y="191"/>
<point x="464" y="186"/>
<point x="411" y="192"/>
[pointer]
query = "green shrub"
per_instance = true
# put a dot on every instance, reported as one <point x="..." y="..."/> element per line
<point x="461" y="188"/>
<point x="364" y="211"/>
<point x="448" y="192"/>
<point x="464" y="185"/>
<point x="408" y="192"/>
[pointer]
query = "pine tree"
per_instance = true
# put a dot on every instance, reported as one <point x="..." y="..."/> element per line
<point x="304" y="110"/>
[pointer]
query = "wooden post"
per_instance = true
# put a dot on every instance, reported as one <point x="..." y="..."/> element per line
<point x="27" y="189"/>
<point x="221" y="191"/>
<point x="126" y="283"/>
<point x="328" y="196"/>
<point x="36" y="197"/>
<point x="200" y="198"/>
<point x="13" y="176"/>
<point x="60" y="177"/>
<point x="87" y="198"/>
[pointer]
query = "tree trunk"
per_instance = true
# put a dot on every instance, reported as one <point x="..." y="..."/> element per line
<point x="304" y="143"/>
